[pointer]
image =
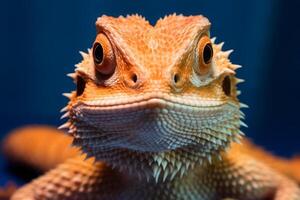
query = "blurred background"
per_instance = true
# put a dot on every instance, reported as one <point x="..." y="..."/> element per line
<point x="40" y="41"/>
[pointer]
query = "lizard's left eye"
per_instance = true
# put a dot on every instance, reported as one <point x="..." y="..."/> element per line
<point x="205" y="54"/>
<point x="103" y="55"/>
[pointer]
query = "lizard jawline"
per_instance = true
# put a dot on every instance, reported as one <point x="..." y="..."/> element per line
<point x="160" y="138"/>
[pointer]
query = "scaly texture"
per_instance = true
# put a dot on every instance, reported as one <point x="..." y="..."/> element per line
<point x="41" y="147"/>
<point x="157" y="108"/>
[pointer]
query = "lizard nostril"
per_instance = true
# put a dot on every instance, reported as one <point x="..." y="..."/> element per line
<point x="176" y="78"/>
<point x="134" y="78"/>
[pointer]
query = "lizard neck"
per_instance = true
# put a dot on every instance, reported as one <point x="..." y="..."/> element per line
<point x="158" y="166"/>
<point x="195" y="181"/>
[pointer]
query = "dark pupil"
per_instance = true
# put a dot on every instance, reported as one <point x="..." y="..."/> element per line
<point x="207" y="53"/>
<point x="98" y="53"/>
<point x="226" y="85"/>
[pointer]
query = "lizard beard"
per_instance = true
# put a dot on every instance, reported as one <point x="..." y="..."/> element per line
<point x="160" y="142"/>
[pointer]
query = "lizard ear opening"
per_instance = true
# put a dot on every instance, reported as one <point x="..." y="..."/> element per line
<point x="205" y="54"/>
<point x="226" y="86"/>
<point x="103" y="55"/>
<point x="80" y="86"/>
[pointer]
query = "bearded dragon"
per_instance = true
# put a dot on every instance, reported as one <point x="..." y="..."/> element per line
<point x="157" y="116"/>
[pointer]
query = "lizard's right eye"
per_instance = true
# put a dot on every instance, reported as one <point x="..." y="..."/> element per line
<point x="103" y="55"/>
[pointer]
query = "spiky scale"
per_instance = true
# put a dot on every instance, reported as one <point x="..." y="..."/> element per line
<point x="213" y="40"/>
<point x="227" y="53"/>
<point x="72" y="76"/>
<point x="220" y="45"/>
<point x="243" y="124"/>
<point x="64" y="109"/>
<point x="238" y="80"/>
<point x="165" y="175"/>
<point x="158" y="160"/>
<point x="227" y="70"/>
<point x="83" y="54"/>
<point x="66" y="115"/>
<point x="235" y="67"/>
<point x="164" y="164"/>
<point x="209" y="158"/>
<point x="64" y="126"/>
<point x="156" y="173"/>
<point x="242" y="105"/>
<point x="68" y="95"/>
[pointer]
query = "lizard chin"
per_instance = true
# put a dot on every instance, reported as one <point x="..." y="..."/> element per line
<point x="153" y="142"/>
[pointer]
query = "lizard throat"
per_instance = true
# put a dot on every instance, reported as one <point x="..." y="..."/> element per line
<point x="154" y="138"/>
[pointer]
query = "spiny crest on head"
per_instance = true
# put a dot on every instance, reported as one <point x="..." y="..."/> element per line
<point x="81" y="69"/>
<point x="223" y="62"/>
<point x="85" y="68"/>
<point x="174" y="19"/>
<point x="121" y="22"/>
<point x="135" y="38"/>
<point x="222" y="58"/>
<point x="224" y="65"/>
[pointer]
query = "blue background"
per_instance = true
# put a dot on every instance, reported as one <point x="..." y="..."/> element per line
<point x="40" y="41"/>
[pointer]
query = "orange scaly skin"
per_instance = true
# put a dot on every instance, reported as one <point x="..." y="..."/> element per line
<point x="46" y="146"/>
<point x="158" y="112"/>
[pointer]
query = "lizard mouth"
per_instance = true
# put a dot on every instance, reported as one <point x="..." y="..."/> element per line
<point x="153" y="123"/>
<point x="153" y="99"/>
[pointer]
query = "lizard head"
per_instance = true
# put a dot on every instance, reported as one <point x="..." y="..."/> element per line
<point x="154" y="99"/>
